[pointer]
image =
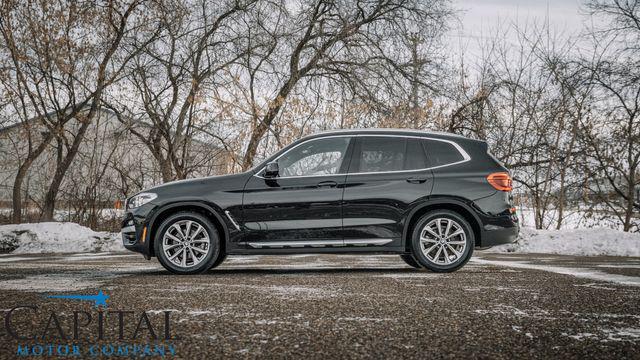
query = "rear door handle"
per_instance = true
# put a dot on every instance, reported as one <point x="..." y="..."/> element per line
<point x="416" y="180"/>
<point x="327" y="184"/>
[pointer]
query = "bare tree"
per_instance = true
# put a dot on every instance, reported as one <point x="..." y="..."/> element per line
<point x="172" y="76"/>
<point x="64" y="57"/>
<point x="526" y="98"/>
<point x="614" y="140"/>
<point x="339" y="42"/>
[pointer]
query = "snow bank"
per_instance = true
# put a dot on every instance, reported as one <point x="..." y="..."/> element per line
<point x="55" y="237"/>
<point x="584" y="241"/>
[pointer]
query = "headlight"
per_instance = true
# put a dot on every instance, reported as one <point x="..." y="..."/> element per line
<point x="140" y="200"/>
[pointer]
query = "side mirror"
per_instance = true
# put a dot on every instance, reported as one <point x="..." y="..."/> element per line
<point x="271" y="170"/>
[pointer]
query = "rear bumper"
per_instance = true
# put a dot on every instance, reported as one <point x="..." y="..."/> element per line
<point x="498" y="222"/>
<point x="499" y="236"/>
<point x="499" y="229"/>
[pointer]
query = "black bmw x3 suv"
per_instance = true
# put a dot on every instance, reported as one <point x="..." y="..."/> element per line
<point x="429" y="197"/>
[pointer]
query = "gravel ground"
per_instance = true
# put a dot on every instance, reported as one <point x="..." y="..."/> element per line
<point x="334" y="306"/>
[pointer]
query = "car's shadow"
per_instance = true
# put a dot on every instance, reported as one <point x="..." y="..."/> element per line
<point x="295" y="271"/>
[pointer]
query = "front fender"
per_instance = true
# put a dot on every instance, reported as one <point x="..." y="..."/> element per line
<point x="162" y="211"/>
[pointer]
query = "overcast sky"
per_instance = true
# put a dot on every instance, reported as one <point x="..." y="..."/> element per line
<point x="479" y="17"/>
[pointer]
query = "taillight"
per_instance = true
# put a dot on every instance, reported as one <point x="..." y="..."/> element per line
<point x="501" y="181"/>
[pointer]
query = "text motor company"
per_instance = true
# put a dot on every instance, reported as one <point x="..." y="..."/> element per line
<point x="82" y="332"/>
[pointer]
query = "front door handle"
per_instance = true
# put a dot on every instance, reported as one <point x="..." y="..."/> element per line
<point x="327" y="184"/>
<point x="416" y="180"/>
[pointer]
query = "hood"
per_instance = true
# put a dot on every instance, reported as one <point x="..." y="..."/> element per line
<point x="201" y="185"/>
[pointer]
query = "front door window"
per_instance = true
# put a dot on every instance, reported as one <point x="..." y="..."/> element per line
<point x="314" y="157"/>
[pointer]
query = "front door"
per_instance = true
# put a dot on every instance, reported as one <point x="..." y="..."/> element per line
<point x="302" y="205"/>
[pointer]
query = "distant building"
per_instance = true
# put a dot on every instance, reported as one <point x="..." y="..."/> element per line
<point x="112" y="163"/>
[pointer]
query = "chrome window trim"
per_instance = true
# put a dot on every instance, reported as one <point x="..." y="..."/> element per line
<point x="465" y="156"/>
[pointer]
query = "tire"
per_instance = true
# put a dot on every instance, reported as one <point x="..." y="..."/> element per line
<point x="408" y="258"/>
<point x="202" y="248"/>
<point x="219" y="261"/>
<point x="445" y="254"/>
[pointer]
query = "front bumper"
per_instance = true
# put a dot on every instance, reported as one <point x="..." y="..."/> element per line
<point x="135" y="229"/>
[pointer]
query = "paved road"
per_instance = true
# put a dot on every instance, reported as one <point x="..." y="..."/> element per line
<point x="498" y="306"/>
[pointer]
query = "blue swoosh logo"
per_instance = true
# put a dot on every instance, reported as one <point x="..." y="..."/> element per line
<point x="99" y="299"/>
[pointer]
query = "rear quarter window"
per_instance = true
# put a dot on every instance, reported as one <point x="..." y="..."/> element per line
<point x="441" y="153"/>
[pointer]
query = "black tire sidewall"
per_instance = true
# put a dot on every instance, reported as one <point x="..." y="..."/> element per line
<point x="411" y="261"/>
<point x="415" y="240"/>
<point x="218" y="261"/>
<point x="214" y="245"/>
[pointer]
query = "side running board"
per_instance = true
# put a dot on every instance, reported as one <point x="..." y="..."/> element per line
<point x="317" y="243"/>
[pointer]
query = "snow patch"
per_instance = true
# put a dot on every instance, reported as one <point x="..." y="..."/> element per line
<point x="91" y="257"/>
<point x="199" y="312"/>
<point x="290" y="292"/>
<point x="616" y="266"/>
<point x="297" y="291"/>
<point x="55" y="237"/>
<point x="512" y="311"/>
<point x="577" y="272"/>
<point x="581" y="242"/>
<point x="581" y="336"/>
<point x="417" y="275"/>
<point x="612" y="334"/>
<point x="595" y="286"/>
<point x="16" y="258"/>
<point x="56" y="282"/>
<point x="518" y="329"/>
<point x="364" y="319"/>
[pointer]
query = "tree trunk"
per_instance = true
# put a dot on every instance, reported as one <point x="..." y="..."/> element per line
<point x="61" y="170"/>
<point x="165" y="169"/>
<point x="537" y="211"/>
<point x="252" y="148"/>
<point x="17" y="188"/>
<point x="562" y="193"/>
<point x="629" y="208"/>
<point x="22" y="173"/>
<point x="50" y="200"/>
<point x="265" y="123"/>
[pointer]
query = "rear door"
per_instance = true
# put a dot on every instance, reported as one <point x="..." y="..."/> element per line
<point x="386" y="176"/>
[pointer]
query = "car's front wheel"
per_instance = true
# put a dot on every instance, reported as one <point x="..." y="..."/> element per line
<point x="408" y="258"/>
<point x="187" y="243"/>
<point x="442" y="241"/>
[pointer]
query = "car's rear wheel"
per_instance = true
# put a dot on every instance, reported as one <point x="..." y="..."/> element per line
<point x="442" y="241"/>
<point x="408" y="258"/>
<point x="187" y="243"/>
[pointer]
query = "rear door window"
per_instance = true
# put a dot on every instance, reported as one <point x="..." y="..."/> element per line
<point x="415" y="157"/>
<point x="388" y="153"/>
<point x="379" y="154"/>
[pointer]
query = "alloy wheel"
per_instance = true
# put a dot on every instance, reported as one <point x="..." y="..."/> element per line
<point x="443" y="241"/>
<point x="186" y="243"/>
